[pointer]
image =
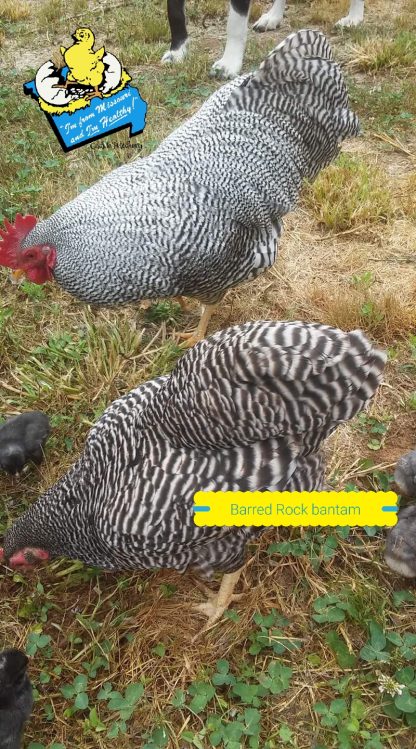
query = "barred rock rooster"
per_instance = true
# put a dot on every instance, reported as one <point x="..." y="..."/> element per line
<point x="246" y="409"/>
<point x="16" y="698"/>
<point x="203" y="212"/>
<point x="400" y="552"/>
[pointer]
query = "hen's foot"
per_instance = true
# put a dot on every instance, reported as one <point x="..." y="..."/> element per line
<point x="189" y="339"/>
<point x="213" y="609"/>
<point x="219" y="602"/>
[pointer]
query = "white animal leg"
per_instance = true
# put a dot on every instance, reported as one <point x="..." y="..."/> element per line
<point x="355" y="15"/>
<point x="230" y="63"/>
<point x="273" y="18"/>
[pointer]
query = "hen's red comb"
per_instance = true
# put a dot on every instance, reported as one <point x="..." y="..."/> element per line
<point x="11" y="237"/>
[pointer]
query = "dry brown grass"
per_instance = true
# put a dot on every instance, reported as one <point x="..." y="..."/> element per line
<point x="325" y="12"/>
<point x="375" y="54"/>
<point x="406" y="196"/>
<point x="14" y="10"/>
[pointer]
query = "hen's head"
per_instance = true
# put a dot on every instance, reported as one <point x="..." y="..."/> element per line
<point x="22" y="546"/>
<point x="25" y="558"/>
<point x="36" y="262"/>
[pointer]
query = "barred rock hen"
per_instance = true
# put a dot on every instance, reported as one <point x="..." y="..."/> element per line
<point x="246" y="409"/>
<point x="400" y="552"/>
<point x="203" y="212"/>
<point x="16" y="699"/>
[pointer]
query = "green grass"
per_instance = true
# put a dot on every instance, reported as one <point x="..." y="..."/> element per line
<point x="348" y="194"/>
<point x="375" y="54"/>
<point x="390" y="107"/>
<point x="322" y="625"/>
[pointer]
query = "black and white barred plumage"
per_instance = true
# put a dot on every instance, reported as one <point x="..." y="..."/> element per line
<point x="203" y="212"/>
<point x="246" y="409"/>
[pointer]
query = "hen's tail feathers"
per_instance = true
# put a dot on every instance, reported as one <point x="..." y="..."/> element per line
<point x="301" y="69"/>
<point x="249" y="383"/>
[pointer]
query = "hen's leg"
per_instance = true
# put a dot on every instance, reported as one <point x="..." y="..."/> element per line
<point x="190" y="339"/>
<point x="218" y="602"/>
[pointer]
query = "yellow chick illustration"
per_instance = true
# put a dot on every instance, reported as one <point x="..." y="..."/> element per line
<point x="85" y="66"/>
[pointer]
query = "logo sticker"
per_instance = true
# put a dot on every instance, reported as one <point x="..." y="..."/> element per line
<point x="90" y="96"/>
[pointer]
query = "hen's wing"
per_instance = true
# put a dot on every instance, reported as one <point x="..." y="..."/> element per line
<point x="246" y="409"/>
<point x="266" y="379"/>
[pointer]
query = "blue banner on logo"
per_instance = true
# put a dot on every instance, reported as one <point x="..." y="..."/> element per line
<point x="101" y="117"/>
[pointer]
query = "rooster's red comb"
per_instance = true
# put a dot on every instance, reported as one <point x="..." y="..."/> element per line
<point x="11" y="237"/>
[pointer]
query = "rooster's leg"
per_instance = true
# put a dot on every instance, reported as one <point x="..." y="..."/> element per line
<point x="199" y="334"/>
<point x="218" y="602"/>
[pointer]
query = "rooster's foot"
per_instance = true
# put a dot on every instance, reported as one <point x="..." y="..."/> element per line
<point x="190" y="339"/>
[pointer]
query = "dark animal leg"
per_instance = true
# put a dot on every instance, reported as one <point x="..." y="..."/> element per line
<point x="178" y="32"/>
<point x="241" y="7"/>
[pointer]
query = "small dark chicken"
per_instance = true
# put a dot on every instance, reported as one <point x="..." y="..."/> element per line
<point x="16" y="699"/>
<point x="400" y="552"/>
<point x="22" y="438"/>
<point x="247" y="409"/>
<point x="204" y="211"/>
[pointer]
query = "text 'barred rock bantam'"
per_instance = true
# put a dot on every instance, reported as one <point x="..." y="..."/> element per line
<point x="246" y="409"/>
<point x="203" y="212"/>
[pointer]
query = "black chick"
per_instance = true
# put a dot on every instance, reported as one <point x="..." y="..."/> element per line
<point x="400" y="552"/>
<point x="22" y="439"/>
<point x="16" y="698"/>
<point x="405" y="474"/>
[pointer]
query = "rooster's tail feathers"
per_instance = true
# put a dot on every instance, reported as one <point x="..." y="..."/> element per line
<point x="302" y="73"/>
